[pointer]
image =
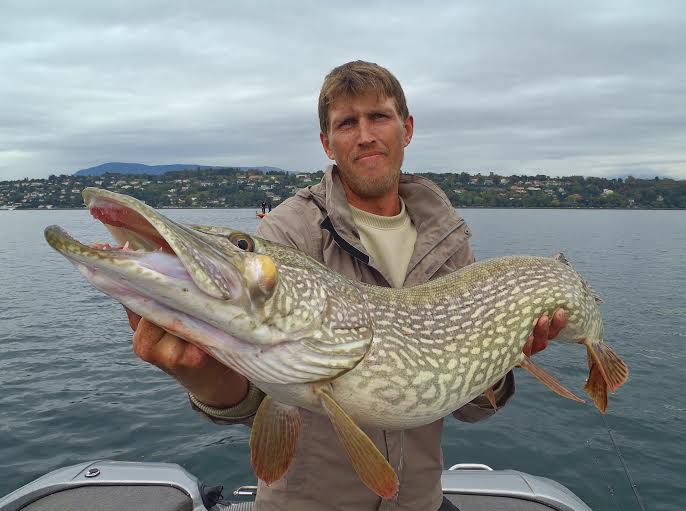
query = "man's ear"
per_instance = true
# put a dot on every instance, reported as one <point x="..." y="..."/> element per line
<point x="409" y="130"/>
<point x="326" y="145"/>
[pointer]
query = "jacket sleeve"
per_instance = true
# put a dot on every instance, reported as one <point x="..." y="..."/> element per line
<point x="241" y="413"/>
<point x="480" y="408"/>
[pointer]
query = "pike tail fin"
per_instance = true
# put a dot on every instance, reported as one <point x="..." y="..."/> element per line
<point x="597" y="388"/>
<point x="606" y="371"/>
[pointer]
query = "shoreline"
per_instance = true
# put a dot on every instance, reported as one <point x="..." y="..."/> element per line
<point x="456" y="207"/>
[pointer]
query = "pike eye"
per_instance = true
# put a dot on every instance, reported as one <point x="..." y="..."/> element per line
<point x="243" y="242"/>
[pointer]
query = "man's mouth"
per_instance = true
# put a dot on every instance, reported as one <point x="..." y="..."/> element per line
<point x="369" y="156"/>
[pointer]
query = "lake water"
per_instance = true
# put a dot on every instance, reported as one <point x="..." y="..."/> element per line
<point x="71" y="389"/>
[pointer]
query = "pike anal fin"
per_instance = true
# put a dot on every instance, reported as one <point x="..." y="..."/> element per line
<point x="274" y="438"/>
<point x="548" y="380"/>
<point x="371" y="466"/>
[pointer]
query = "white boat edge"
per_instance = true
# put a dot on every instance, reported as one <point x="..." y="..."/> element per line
<point x="184" y="491"/>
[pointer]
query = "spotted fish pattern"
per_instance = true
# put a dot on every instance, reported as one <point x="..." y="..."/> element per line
<point x="443" y="343"/>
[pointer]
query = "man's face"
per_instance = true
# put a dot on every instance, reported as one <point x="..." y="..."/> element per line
<point x="367" y="138"/>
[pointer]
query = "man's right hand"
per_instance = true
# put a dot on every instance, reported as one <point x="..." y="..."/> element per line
<point x="211" y="382"/>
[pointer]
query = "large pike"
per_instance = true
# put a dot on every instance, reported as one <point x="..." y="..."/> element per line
<point x="312" y="338"/>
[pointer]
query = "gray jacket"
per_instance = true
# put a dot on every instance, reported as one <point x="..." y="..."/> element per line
<point x="318" y="221"/>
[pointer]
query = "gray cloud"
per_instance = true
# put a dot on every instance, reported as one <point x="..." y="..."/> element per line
<point x="553" y="87"/>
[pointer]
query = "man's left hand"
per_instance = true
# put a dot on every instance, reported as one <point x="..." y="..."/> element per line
<point x="545" y="330"/>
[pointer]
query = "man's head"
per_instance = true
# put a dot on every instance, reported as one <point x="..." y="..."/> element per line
<point x="359" y="78"/>
<point x="365" y="126"/>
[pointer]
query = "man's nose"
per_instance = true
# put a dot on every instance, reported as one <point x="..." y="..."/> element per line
<point x="366" y="133"/>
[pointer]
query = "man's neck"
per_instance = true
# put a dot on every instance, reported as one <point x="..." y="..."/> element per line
<point x="386" y="205"/>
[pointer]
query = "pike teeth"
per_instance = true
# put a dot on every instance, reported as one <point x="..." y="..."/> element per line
<point x="126" y="246"/>
<point x="99" y="245"/>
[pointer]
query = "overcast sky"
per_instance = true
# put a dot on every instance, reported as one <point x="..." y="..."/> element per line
<point x="560" y="88"/>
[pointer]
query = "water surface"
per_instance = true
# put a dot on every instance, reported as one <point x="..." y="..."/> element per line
<point x="72" y="390"/>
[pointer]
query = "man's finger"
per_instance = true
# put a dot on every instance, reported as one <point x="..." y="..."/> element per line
<point x="541" y="329"/>
<point x="133" y="319"/>
<point x="538" y="341"/>
<point x="148" y="330"/>
<point x="194" y="357"/>
<point x="539" y="345"/>
<point x="170" y="351"/>
<point x="145" y="340"/>
<point x="558" y="322"/>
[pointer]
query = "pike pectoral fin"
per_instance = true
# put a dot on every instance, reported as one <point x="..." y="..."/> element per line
<point x="490" y="395"/>
<point x="606" y="371"/>
<point x="548" y="380"/>
<point x="371" y="466"/>
<point x="274" y="438"/>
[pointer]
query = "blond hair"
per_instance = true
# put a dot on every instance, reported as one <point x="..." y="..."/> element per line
<point x="355" y="79"/>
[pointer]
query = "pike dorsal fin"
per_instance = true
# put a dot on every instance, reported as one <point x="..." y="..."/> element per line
<point x="371" y="466"/>
<point x="548" y="380"/>
<point x="274" y="438"/>
<point x="560" y="257"/>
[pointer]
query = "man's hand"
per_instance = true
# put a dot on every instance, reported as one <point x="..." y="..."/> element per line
<point x="544" y="331"/>
<point x="208" y="380"/>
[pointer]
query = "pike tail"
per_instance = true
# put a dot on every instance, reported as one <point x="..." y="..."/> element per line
<point x="607" y="371"/>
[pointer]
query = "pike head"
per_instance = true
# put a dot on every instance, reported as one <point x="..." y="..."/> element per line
<point x="268" y="311"/>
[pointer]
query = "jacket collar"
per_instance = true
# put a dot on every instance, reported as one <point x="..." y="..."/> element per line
<point x="428" y="207"/>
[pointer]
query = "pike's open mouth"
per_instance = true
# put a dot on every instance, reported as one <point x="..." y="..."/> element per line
<point x="144" y="235"/>
<point x="135" y="239"/>
<point x="142" y="270"/>
<point x="130" y="228"/>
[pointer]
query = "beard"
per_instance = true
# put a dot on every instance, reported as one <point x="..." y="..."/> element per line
<point x="367" y="187"/>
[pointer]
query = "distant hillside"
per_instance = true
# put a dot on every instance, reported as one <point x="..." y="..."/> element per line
<point x="156" y="170"/>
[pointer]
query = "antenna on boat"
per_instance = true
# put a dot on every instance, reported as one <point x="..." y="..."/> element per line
<point x="634" y="486"/>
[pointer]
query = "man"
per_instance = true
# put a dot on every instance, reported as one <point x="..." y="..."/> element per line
<point x="372" y="223"/>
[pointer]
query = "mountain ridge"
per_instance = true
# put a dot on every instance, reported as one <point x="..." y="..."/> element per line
<point x="156" y="170"/>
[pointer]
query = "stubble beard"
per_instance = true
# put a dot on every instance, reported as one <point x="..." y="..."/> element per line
<point x="370" y="187"/>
